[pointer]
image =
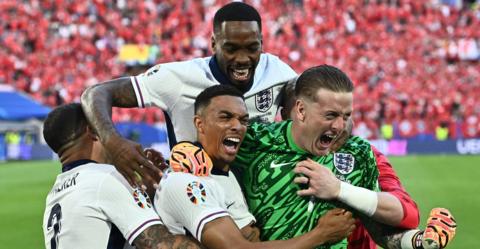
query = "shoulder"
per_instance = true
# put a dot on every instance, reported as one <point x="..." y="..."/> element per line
<point x="272" y="62"/>
<point x="268" y="133"/>
<point x="358" y="147"/>
<point x="195" y="68"/>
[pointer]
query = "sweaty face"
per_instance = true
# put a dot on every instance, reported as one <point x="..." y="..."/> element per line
<point x="237" y="47"/>
<point x="221" y="127"/>
<point x="323" y="120"/>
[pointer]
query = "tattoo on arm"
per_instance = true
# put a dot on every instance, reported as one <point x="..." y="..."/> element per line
<point x="386" y="236"/>
<point x="159" y="237"/>
<point x="97" y="102"/>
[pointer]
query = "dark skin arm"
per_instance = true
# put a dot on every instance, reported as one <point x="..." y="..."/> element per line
<point x="159" y="237"/>
<point x="97" y="102"/>
<point x="333" y="226"/>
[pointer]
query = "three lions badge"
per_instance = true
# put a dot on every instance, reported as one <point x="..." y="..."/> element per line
<point x="344" y="162"/>
<point x="264" y="100"/>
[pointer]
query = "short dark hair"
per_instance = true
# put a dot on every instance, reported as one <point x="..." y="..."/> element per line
<point x="324" y="76"/>
<point x="203" y="99"/>
<point x="236" y="11"/>
<point x="63" y="125"/>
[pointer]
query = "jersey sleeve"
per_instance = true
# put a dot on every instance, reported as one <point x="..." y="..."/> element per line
<point x="159" y="86"/>
<point x="389" y="182"/>
<point x="129" y="209"/>
<point x="190" y="201"/>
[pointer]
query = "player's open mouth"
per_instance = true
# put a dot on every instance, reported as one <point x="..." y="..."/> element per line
<point x="231" y="144"/>
<point x="240" y="74"/>
<point x="327" y="139"/>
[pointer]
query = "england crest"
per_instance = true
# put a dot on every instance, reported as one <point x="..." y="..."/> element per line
<point x="264" y="100"/>
<point x="344" y="162"/>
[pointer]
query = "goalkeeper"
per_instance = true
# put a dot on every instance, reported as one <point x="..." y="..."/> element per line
<point x="342" y="164"/>
<point x="390" y="184"/>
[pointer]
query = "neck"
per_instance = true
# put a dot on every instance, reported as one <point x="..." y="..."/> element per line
<point x="220" y="165"/>
<point x="75" y="153"/>
<point x="297" y="135"/>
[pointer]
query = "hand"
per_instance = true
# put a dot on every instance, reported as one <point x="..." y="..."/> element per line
<point x="342" y="138"/>
<point x="156" y="158"/>
<point x="130" y="160"/>
<point x="440" y="229"/>
<point x="321" y="182"/>
<point x="189" y="158"/>
<point x="159" y="162"/>
<point x="335" y="225"/>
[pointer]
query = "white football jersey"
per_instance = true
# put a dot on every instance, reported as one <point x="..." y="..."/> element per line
<point x="174" y="86"/>
<point x="186" y="202"/>
<point x="93" y="206"/>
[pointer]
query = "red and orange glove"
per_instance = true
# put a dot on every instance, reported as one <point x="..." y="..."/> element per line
<point x="440" y="229"/>
<point x="189" y="158"/>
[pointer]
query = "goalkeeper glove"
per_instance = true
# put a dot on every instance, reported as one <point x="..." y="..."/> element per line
<point x="440" y="229"/>
<point x="189" y="158"/>
<point x="439" y="232"/>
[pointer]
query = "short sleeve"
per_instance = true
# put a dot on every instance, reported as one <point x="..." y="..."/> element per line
<point x="189" y="201"/>
<point x="158" y="86"/>
<point x="129" y="209"/>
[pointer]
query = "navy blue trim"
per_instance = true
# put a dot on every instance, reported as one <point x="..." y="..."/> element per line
<point x="74" y="164"/>
<point x="172" y="139"/>
<point x="218" y="172"/>
<point x="115" y="239"/>
<point x="217" y="73"/>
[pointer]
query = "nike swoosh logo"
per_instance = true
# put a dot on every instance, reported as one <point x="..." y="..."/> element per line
<point x="229" y="205"/>
<point x="277" y="165"/>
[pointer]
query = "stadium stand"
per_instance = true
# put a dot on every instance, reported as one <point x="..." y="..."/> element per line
<point x="415" y="63"/>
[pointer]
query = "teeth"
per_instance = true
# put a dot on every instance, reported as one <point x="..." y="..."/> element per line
<point x="233" y="139"/>
<point x="240" y="73"/>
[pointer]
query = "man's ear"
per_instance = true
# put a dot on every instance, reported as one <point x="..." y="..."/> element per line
<point x="92" y="134"/>
<point x="198" y="122"/>
<point x="300" y="109"/>
<point x="213" y="43"/>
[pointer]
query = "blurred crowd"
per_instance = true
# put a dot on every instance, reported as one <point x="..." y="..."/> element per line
<point x="415" y="64"/>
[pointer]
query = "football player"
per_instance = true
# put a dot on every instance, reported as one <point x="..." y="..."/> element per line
<point x="91" y="205"/>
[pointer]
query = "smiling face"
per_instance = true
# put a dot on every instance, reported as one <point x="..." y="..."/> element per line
<point x="237" y="47"/>
<point x="318" y="122"/>
<point x="221" y="127"/>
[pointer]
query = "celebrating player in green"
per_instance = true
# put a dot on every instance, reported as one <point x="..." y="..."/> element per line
<point x="269" y="153"/>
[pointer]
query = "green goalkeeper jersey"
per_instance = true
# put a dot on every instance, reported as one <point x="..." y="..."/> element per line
<point x="266" y="161"/>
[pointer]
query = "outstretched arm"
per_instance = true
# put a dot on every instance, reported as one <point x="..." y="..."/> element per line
<point x="439" y="232"/>
<point x="158" y="237"/>
<point x="97" y="102"/>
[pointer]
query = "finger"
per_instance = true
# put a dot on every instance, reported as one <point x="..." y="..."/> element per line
<point x="130" y="176"/>
<point x="306" y="192"/>
<point x="303" y="170"/>
<point x="300" y="180"/>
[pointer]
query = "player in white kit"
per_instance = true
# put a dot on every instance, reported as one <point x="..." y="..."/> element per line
<point x="238" y="60"/>
<point x="91" y="205"/>
<point x="212" y="208"/>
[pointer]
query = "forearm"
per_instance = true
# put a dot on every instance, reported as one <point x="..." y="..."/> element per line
<point x="380" y="206"/>
<point x="387" y="237"/>
<point x="389" y="209"/>
<point x="98" y="100"/>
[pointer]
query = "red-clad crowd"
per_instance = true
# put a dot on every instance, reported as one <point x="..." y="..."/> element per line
<point x="415" y="64"/>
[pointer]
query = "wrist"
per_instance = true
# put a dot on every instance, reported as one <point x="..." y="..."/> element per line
<point x="412" y="240"/>
<point x="361" y="199"/>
